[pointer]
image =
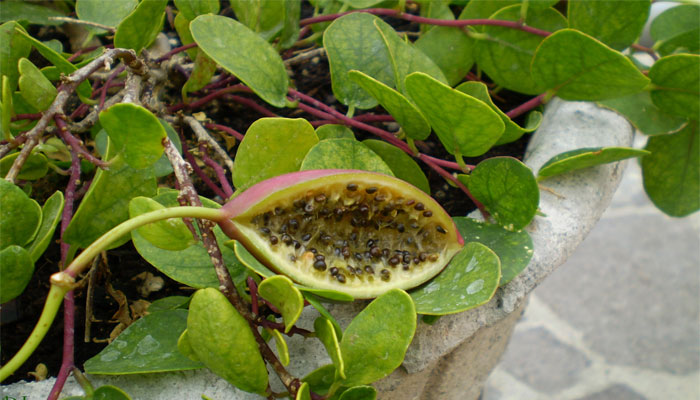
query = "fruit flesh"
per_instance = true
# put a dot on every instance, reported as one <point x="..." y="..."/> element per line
<point x="358" y="232"/>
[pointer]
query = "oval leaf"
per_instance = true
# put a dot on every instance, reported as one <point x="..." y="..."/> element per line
<point x="38" y="91"/>
<point x="359" y="393"/>
<point x="50" y="215"/>
<point x="587" y="157"/>
<point x="244" y="54"/>
<point x="344" y="154"/>
<point x="677" y="29"/>
<point x="282" y="348"/>
<point x="110" y="14"/>
<point x="644" y="115"/>
<point x="325" y="332"/>
<point x="171" y="234"/>
<point x="13" y="46"/>
<point x="676" y="82"/>
<point x="508" y="190"/>
<point x="334" y="131"/>
<point x="20" y="216"/>
<point x="184" y="346"/>
<point x="36" y="166"/>
<point x="272" y="147"/>
<point x="450" y="49"/>
<point x="222" y="339"/>
<point x="464" y="125"/>
<point x="615" y="23"/>
<point x="148" y="345"/>
<point x="193" y="8"/>
<point x="375" y="342"/>
<point x="401" y="164"/>
<point x="141" y="26"/>
<point x="304" y="392"/>
<point x="578" y="67"/>
<point x="135" y="131"/>
<point x="320" y="379"/>
<point x="16" y="269"/>
<point x="281" y="293"/>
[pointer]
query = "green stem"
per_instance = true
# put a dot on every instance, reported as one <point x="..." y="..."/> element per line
<point x="6" y="108"/>
<point x="412" y="145"/>
<point x="462" y="164"/>
<point x="62" y="282"/>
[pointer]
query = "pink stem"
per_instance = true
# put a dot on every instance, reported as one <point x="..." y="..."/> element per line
<point x="525" y="107"/>
<point x="456" y="181"/>
<point x="80" y="52"/>
<point x="374" y="118"/>
<point x="175" y="51"/>
<point x="218" y="169"/>
<point x="208" y="98"/>
<point x="253" y="295"/>
<point x="197" y="170"/>
<point x="225" y="129"/>
<point x="20" y="117"/>
<point x="251" y="104"/>
<point x="75" y="144"/>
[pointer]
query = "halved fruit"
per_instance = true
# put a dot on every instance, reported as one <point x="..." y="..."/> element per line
<point x="358" y="232"/>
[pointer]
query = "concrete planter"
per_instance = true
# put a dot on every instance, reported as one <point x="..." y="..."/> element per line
<point x="452" y="358"/>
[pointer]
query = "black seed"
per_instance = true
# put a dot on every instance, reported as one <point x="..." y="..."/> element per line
<point x="386" y="275"/>
<point x="363" y="208"/>
<point x="287" y="239"/>
<point x="265" y="231"/>
<point x="379" y="197"/>
<point x="353" y="236"/>
<point x="273" y="239"/>
<point x="409" y="240"/>
<point x="370" y="243"/>
<point x="428" y="213"/>
<point x="393" y="261"/>
<point x="309" y="207"/>
<point x="283" y="228"/>
<point x="414" y="225"/>
<point x="297" y="244"/>
<point x="386" y="252"/>
<point x="292" y="258"/>
<point x="358" y="256"/>
<point x="375" y="252"/>
<point x="324" y="211"/>
<point x="410" y="202"/>
<point x="320" y="257"/>
<point x="351" y="187"/>
<point x="419" y="206"/>
<point x="371" y="190"/>
<point x="279" y="211"/>
<point x="440" y="229"/>
<point x="351" y="270"/>
<point x="293" y="223"/>
<point x="340" y="278"/>
<point x="346" y="252"/>
<point x="326" y="238"/>
<point x="306" y="237"/>
<point x="299" y="203"/>
<point x="320" y="198"/>
<point x="313" y="250"/>
<point x="369" y="269"/>
<point x="406" y="258"/>
<point x="320" y="265"/>
<point x="358" y="271"/>
<point x="416" y="260"/>
<point x="334" y="271"/>
<point x="336" y="252"/>
<point x="422" y="256"/>
<point x="406" y="267"/>
<point x="400" y="228"/>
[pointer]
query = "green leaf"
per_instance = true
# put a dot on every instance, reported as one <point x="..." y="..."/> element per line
<point x="281" y="293"/>
<point x="184" y="346"/>
<point x="170" y="234"/>
<point x="282" y="348"/>
<point x="325" y="332"/>
<point x="135" y="132"/>
<point x="35" y="167"/>
<point x="464" y="125"/>
<point x="16" y="269"/>
<point x="469" y="280"/>
<point x="677" y="29"/>
<point x="483" y="9"/>
<point x="671" y="173"/>
<point x="222" y="339"/>
<point x="105" y="13"/>
<point x="505" y="54"/>
<point x="182" y="26"/>
<point x="148" y="345"/>
<point x="344" y="154"/>
<point x="404" y="112"/>
<point x="512" y="130"/>
<point x="51" y="214"/>
<point x="169" y="303"/>
<point x="375" y="342"/>
<point x="290" y="28"/>
<point x="401" y="164"/>
<point x="615" y="23"/>
<point x="141" y="26"/>
<point x="586" y="157"/>
<point x="333" y="131"/>
<point x="676" y="87"/>
<point x="109" y="392"/>
<point x="272" y="147"/>
<point x="20" y="216"/>
<point x="106" y="203"/>
<point x="514" y="249"/>
<point x="38" y="91"/>
<point x="264" y="17"/>
<point x="35" y="14"/>
<point x="250" y="58"/>
<point x="359" y="393"/>
<point x="644" y="115"/>
<point x="353" y="43"/>
<point x="304" y="392"/>
<point x="358" y="4"/>
<point x="578" y="67"/>
<point x="316" y="303"/>
<point x="507" y="189"/>
<point x="204" y="69"/>
<point x="191" y="9"/>
<point x="191" y="266"/>
<point x="450" y="49"/>
<point x="320" y="379"/>
<point x="13" y="46"/>
<point x="163" y="167"/>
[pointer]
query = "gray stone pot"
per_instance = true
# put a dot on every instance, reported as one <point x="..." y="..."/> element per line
<point x="452" y="358"/>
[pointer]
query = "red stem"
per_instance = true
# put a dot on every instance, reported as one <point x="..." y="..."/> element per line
<point x="253" y="295"/>
<point x="225" y="129"/>
<point x="218" y="169"/>
<point x="251" y="104"/>
<point x="525" y="107"/>
<point x="456" y="181"/>
<point x="175" y="51"/>
<point x="75" y="144"/>
<point x="80" y="52"/>
<point x="208" y="98"/>
<point x="20" y="117"/>
<point x="197" y="170"/>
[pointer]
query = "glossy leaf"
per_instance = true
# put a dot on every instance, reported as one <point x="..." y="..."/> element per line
<point x="105" y="13"/>
<point x="404" y="112"/>
<point x="512" y="130"/>
<point x="20" y="216"/>
<point x="50" y="216"/>
<point x="191" y="9"/>
<point x="671" y="174"/>
<point x="450" y="49"/>
<point x="16" y="269"/>
<point x="191" y="266"/>
<point x="468" y="281"/>
<point x="204" y="69"/>
<point x="264" y="17"/>
<point x="353" y="43"/>
<point x="375" y="342"/>
<point x="169" y="303"/>
<point x="316" y="303"/>
<point x="677" y="29"/>
<point x="13" y="46"/>
<point x="508" y="190"/>
<point x="304" y="392"/>
<point x="644" y="115"/>
<point x="615" y="23"/>
<point x="464" y="125"/>
<point x="509" y="65"/>
<point x="38" y="91"/>
<point x="320" y="379"/>
<point x="344" y="154"/>
<point x="359" y="393"/>
<point x="483" y="9"/>
<point x="676" y="87"/>
<point x="135" y="132"/>
<point x="333" y="131"/>
<point x="35" y="14"/>
<point x="140" y="28"/>
<point x="171" y="234"/>
<point x="401" y="164"/>
<point x="222" y="339"/>
<point x="35" y="167"/>
<point x="325" y="332"/>
<point x="182" y="26"/>
<point x="272" y="147"/>
<point x="290" y="27"/>
<point x="585" y="158"/>
<point x="578" y="67"/>
<point x="184" y="346"/>
<point x="281" y="293"/>
<point x="250" y="58"/>
<point x="148" y="345"/>
<point x="514" y="249"/>
<point x="109" y="392"/>
<point x="282" y="349"/>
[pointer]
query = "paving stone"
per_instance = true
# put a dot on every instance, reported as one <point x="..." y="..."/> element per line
<point x="615" y="392"/>
<point x="538" y="359"/>
<point x="632" y="289"/>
